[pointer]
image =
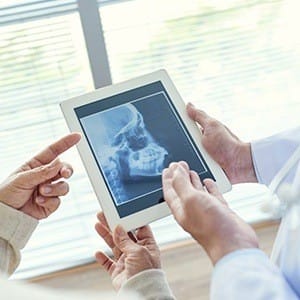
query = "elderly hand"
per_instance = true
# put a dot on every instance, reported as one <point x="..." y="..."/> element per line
<point x="132" y="254"/>
<point x="34" y="188"/>
<point x="203" y="212"/>
<point x="233" y="155"/>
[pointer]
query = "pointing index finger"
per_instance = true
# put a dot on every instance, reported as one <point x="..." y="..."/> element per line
<point x="181" y="181"/>
<point x="55" y="149"/>
<point x="169" y="193"/>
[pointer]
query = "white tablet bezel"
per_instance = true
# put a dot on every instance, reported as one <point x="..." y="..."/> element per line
<point x="160" y="210"/>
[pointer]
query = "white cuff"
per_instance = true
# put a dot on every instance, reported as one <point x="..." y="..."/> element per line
<point x="249" y="274"/>
<point x="148" y="285"/>
<point x="15" y="226"/>
<point x="248" y="252"/>
<point x="270" y="154"/>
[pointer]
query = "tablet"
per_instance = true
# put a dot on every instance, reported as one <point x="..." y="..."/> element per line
<point x="131" y="132"/>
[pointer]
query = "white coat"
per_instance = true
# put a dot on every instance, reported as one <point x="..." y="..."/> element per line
<point x="250" y="274"/>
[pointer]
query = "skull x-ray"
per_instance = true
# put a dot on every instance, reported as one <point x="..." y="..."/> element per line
<point x="133" y="136"/>
<point x="134" y="150"/>
<point x="126" y="150"/>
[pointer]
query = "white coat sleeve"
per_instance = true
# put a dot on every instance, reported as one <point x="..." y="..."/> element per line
<point x="270" y="154"/>
<point x="248" y="274"/>
<point x="15" y="230"/>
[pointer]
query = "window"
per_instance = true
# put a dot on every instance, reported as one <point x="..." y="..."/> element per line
<point x="232" y="58"/>
<point x="42" y="62"/>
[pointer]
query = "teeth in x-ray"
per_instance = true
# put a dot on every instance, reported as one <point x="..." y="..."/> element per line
<point x="148" y="161"/>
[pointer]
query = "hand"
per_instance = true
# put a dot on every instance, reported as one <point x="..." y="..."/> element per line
<point x="203" y="212"/>
<point x="233" y="155"/>
<point x="33" y="188"/>
<point x="132" y="254"/>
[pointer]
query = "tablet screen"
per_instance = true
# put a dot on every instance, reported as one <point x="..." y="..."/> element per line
<point x="133" y="136"/>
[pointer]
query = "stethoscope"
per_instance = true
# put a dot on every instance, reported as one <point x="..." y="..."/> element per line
<point x="282" y="197"/>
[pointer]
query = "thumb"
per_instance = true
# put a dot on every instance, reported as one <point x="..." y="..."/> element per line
<point x="36" y="176"/>
<point x="197" y="115"/>
<point x="123" y="241"/>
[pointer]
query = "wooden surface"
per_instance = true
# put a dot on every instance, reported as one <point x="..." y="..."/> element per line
<point x="186" y="265"/>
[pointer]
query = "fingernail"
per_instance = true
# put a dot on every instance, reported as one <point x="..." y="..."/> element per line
<point x="120" y="231"/>
<point x="67" y="172"/>
<point x="191" y="104"/>
<point x="47" y="189"/>
<point x="40" y="199"/>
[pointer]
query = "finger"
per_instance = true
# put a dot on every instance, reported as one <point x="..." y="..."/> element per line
<point x="195" y="179"/>
<point x="49" y="204"/>
<point x="105" y="234"/>
<point x="170" y="195"/>
<point x="102" y="219"/>
<point x="55" y="149"/>
<point x="131" y="234"/>
<point x="145" y="235"/>
<point x="106" y="262"/>
<point x="123" y="241"/>
<point x="54" y="189"/>
<point x="145" y="232"/>
<point x="198" y="115"/>
<point x="38" y="175"/>
<point x="212" y="188"/>
<point x="184" y="165"/>
<point x="181" y="182"/>
<point x="66" y="170"/>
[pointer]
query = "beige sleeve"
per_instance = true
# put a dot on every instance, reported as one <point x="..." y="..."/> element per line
<point x="148" y="285"/>
<point x="15" y="230"/>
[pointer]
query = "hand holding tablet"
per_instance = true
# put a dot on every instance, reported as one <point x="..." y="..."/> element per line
<point x="131" y="132"/>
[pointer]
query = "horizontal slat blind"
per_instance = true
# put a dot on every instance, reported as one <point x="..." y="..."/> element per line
<point x="232" y="58"/>
<point x="42" y="62"/>
<point x="17" y="11"/>
<point x="238" y="60"/>
<point x="225" y="56"/>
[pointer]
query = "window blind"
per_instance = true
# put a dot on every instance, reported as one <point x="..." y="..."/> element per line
<point x="231" y="58"/>
<point x="42" y="62"/>
<point x="238" y="60"/>
<point x="17" y="11"/>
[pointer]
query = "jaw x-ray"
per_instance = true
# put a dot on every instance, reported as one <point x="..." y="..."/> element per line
<point x="133" y="137"/>
<point x="134" y="150"/>
<point x="126" y="150"/>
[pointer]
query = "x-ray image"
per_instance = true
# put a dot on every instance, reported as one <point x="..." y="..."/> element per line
<point x="126" y="151"/>
<point x="136" y="153"/>
<point x="134" y="136"/>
